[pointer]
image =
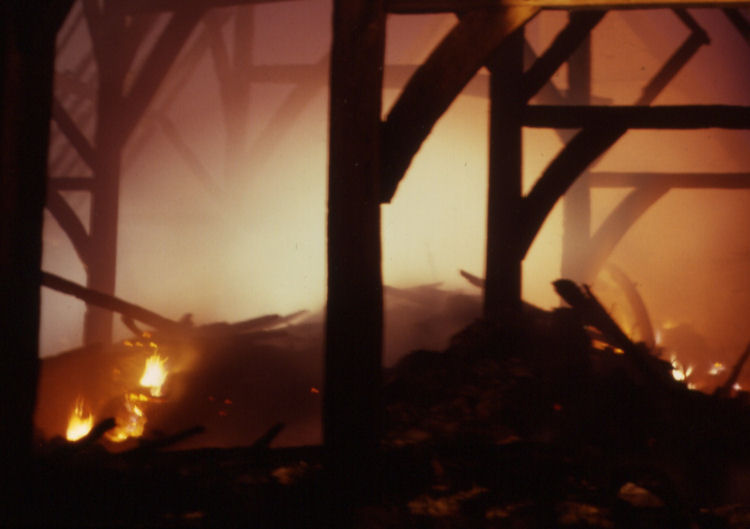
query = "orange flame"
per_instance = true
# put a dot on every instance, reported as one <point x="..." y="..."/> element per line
<point x="78" y="425"/>
<point x="131" y="425"/>
<point x="154" y="374"/>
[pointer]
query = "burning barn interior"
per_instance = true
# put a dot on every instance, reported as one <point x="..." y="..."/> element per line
<point x="297" y="263"/>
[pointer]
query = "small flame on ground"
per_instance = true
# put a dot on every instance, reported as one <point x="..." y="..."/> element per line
<point x="717" y="368"/>
<point x="78" y="425"/>
<point x="679" y="372"/>
<point x="154" y="375"/>
<point x="132" y="425"/>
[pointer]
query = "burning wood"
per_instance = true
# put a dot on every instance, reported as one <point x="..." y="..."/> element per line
<point x="731" y="383"/>
<point x="522" y="416"/>
<point x="154" y="374"/>
<point x="78" y="425"/>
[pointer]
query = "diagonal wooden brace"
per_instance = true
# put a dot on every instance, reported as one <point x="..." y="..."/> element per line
<point x="437" y="83"/>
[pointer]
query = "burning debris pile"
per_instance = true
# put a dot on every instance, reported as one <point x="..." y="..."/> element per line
<point x="555" y="420"/>
<point x="234" y="379"/>
<point x="560" y="420"/>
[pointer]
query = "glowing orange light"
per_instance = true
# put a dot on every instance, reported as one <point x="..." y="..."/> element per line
<point x="314" y="390"/>
<point x="679" y="372"/>
<point x="154" y="375"/>
<point x="133" y="423"/>
<point x="78" y="425"/>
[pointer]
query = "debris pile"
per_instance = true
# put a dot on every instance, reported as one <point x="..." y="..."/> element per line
<point x="556" y="419"/>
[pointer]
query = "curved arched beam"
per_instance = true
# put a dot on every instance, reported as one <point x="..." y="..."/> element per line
<point x="642" y="319"/>
<point x="586" y="146"/>
<point x="617" y="224"/>
<point x="70" y="223"/>
<point x="437" y="83"/>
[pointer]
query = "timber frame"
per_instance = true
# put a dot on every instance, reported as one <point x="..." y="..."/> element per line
<point x="368" y="157"/>
<point x="487" y="33"/>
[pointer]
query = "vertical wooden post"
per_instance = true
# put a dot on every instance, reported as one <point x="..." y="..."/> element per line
<point x="502" y="295"/>
<point x="577" y="201"/>
<point x="352" y="410"/>
<point x="27" y="52"/>
<point x="105" y="196"/>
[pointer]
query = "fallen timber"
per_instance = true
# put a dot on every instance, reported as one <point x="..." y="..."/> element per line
<point x="131" y="312"/>
<point x="521" y="424"/>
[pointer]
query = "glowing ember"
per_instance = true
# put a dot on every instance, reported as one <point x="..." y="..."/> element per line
<point x="78" y="425"/>
<point x="133" y="423"/>
<point x="716" y="369"/>
<point x="154" y="375"/>
<point x="680" y="372"/>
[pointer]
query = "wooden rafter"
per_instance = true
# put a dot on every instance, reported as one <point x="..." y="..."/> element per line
<point x="437" y="82"/>
<point x="590" y="143"/>
<point x="566" y="42"/>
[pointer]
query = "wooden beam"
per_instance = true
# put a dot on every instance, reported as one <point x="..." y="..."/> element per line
<point x="502" y="293"/>
<point x="108" y="35"/>
<point x="565" y="43"/>
<point x="609" y="179"/>
<point x="437" y="83"/>
<point x="459" y="6"/>
<point x="70" y="183"/>
<point x="352" y="403"/>
<point x="74" y="135"/>
<point x="577" y="202"/>
<point x="588" y="145"/>
<point x="158" y="63"/>
<point x="111" y="303"/>
<point x="741" y="24"/>
<point x="638" y="117"/>
<point x="27" y="55"/>
<point x="617" y="224"/>
<point x="70" y="223"/>
<point x="183" y="69"/>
